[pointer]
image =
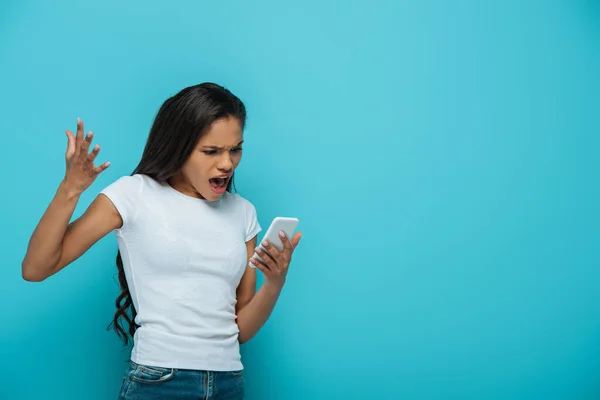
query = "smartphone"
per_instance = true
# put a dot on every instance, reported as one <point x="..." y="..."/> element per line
<point x="285" y="224"/>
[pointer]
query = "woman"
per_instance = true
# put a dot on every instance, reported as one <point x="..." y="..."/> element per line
<point x="188" y="294"/>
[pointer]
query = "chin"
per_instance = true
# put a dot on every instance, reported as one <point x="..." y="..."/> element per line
<point x="211" y="195"/>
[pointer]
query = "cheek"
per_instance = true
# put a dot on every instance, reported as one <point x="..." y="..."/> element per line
<point x="236" y="158"/>
<point x="197" y="179"/>
<point x="195" y="171"/>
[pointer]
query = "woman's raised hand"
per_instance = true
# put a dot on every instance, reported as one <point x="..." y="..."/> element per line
<point x="81" y="172"/>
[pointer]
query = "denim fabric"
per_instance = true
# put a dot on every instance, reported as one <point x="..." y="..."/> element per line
<point x="149" y="383"/>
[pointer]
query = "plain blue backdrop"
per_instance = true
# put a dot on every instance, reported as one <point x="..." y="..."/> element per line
<point x="442" y="157"/>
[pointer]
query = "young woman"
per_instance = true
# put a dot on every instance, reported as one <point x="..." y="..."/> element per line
<point x="188" y="292"/>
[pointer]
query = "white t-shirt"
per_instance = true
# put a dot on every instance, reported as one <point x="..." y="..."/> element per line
<point x="183" y="259"/>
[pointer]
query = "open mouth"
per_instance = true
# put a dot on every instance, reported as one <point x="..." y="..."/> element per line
<point x="219" y="183"/>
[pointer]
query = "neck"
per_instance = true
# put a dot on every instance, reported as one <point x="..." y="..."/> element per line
<point x="180" y="183"/>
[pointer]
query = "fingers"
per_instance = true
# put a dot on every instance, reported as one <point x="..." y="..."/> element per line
<point x="275" y="259"/>
<point x="261" y="265"/>
<point x="267" y="258"/>
<point x="70" y="144"/>
<point x="287" y="246"/>
<point x="296" y="239"/>
<point x="82" y="143"/>
<point x="101" y="168"/>
<point x="271" y="250"/>
<point x="92" y="156"/>
<point x="272" y="261"/>
<point x="79" y="137"/>
<point x="85" y="144"/>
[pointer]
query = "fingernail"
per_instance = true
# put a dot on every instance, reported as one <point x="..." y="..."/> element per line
<point x="107" y="163"/>
<point x="265" y="243"/>
<point x="259" y="250"/>
<point x="89" y="135"/>
<point x="78" y="121"/>
<point x="282" y="234"/>
<point x="97" y="147"/>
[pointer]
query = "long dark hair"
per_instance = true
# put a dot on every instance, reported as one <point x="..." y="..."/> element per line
<point x="180" y="122"/>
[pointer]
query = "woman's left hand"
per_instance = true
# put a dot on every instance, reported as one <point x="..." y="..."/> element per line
<point x="275" y="262"/>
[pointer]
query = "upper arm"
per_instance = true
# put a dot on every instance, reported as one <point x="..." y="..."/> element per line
<point x="247" y="287"/>
<point x="100" y="218"/>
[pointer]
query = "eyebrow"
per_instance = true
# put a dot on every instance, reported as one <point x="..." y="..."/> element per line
<point x="220" y="148"/>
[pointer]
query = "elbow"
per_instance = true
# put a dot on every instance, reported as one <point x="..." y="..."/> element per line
<point x="244" y="338"/>
<point x="241" y="336"/>
<point x="31" y="276"/>
<point x="29" y="273"/>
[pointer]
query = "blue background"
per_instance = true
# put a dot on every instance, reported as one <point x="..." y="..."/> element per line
<point x="442" y="157"/>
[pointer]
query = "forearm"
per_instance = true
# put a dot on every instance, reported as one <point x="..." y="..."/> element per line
<point x="45" y="245"/>
<point x="256" y="313"/>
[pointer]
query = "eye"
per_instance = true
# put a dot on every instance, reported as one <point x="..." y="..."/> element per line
<point x="209" y="152"/>
<point x="236" y="150"/>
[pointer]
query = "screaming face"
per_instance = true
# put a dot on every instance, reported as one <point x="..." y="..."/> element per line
<point x="208" y="171"/>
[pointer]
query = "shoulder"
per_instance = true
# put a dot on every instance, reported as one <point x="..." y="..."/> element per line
<point x="241" y="202"/>
<point x="126" y="182"/>
<point x="125" y="194"/>
<point x="130" y="184"/>
<point x="250" y="217"/>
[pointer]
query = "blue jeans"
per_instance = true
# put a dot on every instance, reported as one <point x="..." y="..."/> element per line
<point x="149" y="383"/>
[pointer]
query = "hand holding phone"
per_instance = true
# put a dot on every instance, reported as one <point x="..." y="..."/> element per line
<point x="287" y="225"/>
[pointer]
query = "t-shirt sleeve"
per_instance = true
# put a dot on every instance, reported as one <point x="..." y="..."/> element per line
<point x="125" y="194"/>
<point x="252" y="225"/>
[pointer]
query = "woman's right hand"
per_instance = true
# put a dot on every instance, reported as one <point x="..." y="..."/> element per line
<point x="81" y="172"/>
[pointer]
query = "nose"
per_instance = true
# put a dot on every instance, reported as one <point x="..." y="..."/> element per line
<point x="225" y="163"/>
